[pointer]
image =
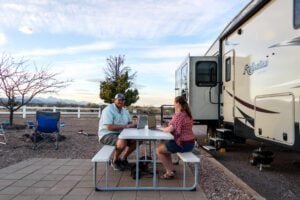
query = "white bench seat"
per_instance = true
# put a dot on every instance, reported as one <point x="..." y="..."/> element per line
<point x="103" y="155"/>
<point x="190" y="157"/>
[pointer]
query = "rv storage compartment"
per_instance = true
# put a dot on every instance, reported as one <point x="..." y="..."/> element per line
<point x="275" y="115"/>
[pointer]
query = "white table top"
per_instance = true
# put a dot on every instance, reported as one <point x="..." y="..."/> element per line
<point x="145" y="134"/>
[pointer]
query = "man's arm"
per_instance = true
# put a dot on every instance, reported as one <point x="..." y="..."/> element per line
<point x="114" y="127"/>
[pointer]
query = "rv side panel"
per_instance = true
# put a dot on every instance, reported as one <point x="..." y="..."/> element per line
<point x="266" y="86"/>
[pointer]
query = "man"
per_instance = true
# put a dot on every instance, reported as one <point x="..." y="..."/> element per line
<point x="114" y="119"/>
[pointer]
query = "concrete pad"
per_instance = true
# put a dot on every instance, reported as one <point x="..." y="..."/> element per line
<point x="100" y="196"/>
<point x="34" y="176"/>
<point x="67" y="183"/>
<point x="25" y="197"/>
<point x="15" y="176"/>
<point x="81" y="172"/>
<point x="72" y="178"/>
<point x="76" y="197"/>
<point x="84" y="183"/>
<point x="7" y="182"/>
<point x="78" y="184"/>
<point x="46" y="184"/>
<point x="191" y="195"/>
<point x="3" y="174"/>
<point x="50" y="197"/>
<point x="34" y="191"/>
<point x="44" y="171"/>
<point x="167" y="195"/>
<point x="58" y="190"/>
<point x="6" y="197"/>
<point x="81" y="191"/>
<point x="124" y="195"/>
<point x="24" y="183"/>
<point x="54" y="177"/>
<point x="62" y="171"/>
<point x="147" y="194"/>
<point x="12" y="190"/>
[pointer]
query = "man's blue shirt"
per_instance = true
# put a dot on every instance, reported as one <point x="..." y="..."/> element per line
<point x="112" y="115"/>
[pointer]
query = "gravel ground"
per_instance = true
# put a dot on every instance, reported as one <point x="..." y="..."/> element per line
<point x="279" y="181"/>
<point x="217" y="184"/>
<point x="214" y="181"/>
<point x="74" y="146"/>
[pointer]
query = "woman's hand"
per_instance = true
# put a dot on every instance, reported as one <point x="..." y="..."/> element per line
<point x="167" y="129"/>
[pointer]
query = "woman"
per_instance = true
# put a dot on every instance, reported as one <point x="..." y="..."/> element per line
<point x="184" y="139"/>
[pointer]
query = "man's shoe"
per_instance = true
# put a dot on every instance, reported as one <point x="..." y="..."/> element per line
<point x="117" y="165"/>
<point x="124" y="162"/>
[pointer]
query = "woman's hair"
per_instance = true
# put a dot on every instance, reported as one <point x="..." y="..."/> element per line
<point x="185" y="107"/>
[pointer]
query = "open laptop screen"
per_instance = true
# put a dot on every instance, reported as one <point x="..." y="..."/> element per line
<point x="151" y="122"/>
<point x="142" y="121"/>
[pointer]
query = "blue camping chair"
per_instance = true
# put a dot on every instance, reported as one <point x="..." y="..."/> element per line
<point x="47" y="123"/>
<point x="2" y="131"/>
<point x="2" y="135"/>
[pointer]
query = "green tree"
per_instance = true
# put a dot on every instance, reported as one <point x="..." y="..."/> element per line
<point x="118" y="80"/>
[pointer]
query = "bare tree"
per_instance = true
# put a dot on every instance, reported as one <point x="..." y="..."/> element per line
<point x="20" y="86"/>
<point x="115" y="68"/>
<point x="118" y="80"/>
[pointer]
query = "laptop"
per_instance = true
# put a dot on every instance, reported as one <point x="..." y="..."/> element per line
<point x="141" y="121"/>
<point x="152" y="122"/>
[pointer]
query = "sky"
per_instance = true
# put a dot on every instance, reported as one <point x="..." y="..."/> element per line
<point x="75" y="37"/>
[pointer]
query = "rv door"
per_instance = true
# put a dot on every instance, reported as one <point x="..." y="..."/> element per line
<point x="228" y="86"/>
<point x="203" y="88"/>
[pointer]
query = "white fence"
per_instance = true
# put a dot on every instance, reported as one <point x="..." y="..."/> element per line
<point x="31" y="110"/>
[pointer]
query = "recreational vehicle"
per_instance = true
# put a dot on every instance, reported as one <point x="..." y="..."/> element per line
<point x="249" y="79"/>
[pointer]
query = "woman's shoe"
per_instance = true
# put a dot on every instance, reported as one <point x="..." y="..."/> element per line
<point x="168" y="176"/>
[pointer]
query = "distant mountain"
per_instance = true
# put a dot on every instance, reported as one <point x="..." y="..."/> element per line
<point x="52" y="100"/>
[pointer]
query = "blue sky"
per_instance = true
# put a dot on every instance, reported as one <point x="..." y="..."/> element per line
<point x="75" y="37"/>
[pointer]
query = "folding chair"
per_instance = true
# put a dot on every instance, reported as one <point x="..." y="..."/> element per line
<point x="29" y="127"/>
<point x="2" y="134"/>
<point x="47" y="123"/>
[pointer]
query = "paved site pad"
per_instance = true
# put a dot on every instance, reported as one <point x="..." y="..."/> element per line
<point x="46" y="178"/>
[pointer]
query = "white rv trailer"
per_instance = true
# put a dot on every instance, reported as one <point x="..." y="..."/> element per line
<point x="258" y="74"/>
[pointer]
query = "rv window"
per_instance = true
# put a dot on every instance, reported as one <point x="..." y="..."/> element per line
<point x="184" y="77"/>
<point x="228" y="69"/>
<point x="178" y="80"/>
<point x="184" y="82"/>
<point x="206" y="73"/>
<point x="296" y="13"/>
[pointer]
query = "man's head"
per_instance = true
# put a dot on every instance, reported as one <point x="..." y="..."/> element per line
<point x="119" y="100"/>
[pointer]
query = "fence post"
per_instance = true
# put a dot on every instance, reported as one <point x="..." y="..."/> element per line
<point x="24" y="112"/>
<point x="78" y="114"/>
<point x="54" y="108"/>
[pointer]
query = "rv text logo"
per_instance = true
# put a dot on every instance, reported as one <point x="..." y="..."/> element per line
<point x="252" y="67"/>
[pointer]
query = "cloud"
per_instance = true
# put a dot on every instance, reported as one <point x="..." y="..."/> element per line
<point x="86" y="70"/>
<point x="144" y="23"/>
<point x="2" y="39"/>
<point x="67" y="50"/>
<point x="154" y="97"/>
<point x="175" y="51"/>
<point x="94" y="80"/>
<point x="26" y="30"/>
<point x="117" y="19"/>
